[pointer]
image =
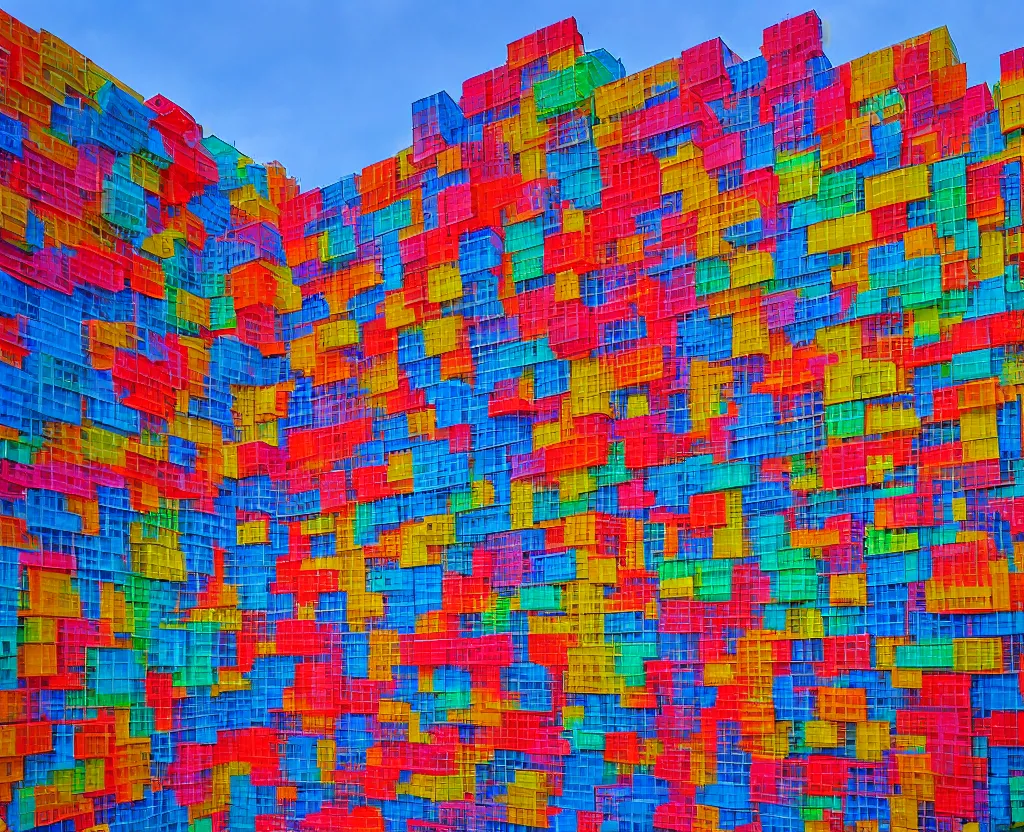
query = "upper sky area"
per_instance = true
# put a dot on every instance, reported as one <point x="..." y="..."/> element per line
<point x="327" y="87"/>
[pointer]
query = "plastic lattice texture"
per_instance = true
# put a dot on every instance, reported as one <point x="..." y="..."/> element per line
<point x="631" y="452"/>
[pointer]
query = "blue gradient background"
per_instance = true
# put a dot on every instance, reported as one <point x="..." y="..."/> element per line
<point x="326" y="87"/>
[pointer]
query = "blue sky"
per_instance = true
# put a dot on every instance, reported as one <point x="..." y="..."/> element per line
<point x="326" y="87"/>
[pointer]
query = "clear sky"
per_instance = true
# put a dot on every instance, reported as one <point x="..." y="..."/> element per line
<point x="326" y="87"/>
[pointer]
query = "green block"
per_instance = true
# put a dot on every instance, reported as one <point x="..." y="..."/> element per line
<point x="796" y="585"/>
<point x="454" y="700"/>
<point x="845" y="419"/>
<point x="222" y="313"/>
<point x="730" y="475"/>
<point x="775" y="617"/>
<point x="394" y="217"/>
<point x="497" y="620"/>
<point x="1017" y="799"/>
<point x="969" y="366"/>
<point x="833" y="804"/>
<point x="461" y="501"/>
<point x="629" y="663"/>
<point x="520" y="236"/>
<point x="615" y="471"/>
<point x="713" y="580"/>
<point x="540" y="598"/>
<point x="936" y="655"/>
<point x="670" y="569"/>
<point x="528" y="264"/>
<point x="587" y="740"/>
<point x="885" y="541"/>
<point x="776" y="560"/>
<point x="141" y="721"/>
<point x="564" y="90"/>
<point x="712" y="275"/>
<point x="26" y="808"/>
<point x="569" y="508"/>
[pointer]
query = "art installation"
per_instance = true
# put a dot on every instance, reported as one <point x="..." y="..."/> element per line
<point x="631" y="452"/>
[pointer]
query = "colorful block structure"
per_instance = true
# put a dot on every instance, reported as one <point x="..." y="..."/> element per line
<point x="631" y="452"/>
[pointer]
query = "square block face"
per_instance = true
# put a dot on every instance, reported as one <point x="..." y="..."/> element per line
<point x="628" y="452"/>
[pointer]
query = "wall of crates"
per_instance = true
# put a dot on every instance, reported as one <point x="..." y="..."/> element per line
<point x="630" y="452"/>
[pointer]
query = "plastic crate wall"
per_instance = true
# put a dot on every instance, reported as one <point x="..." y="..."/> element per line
<point x="630" y="452"/>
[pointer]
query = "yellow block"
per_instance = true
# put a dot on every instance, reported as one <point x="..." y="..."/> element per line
<point x="821" y="734"/>
<point x="253" y="532"/>
<point x="533" y="164"/>
<point x="896" y="187"/>
<point x="601" y="571"/>
<point x="400" y="466"/>
<point x="921" y="242"/>
<point x="302" y="352"/>
<point x="192" y="308"/>
<point x="941" y="50"/>
<point x="573" y="220"/>
<point x="546" y="433"/>
<point x="618" y="97"/>
<point x="871" y="74"/>
<point x="855" y="378"/>
<point x="844" y="339"/>
<point x="567" y="285"/>
<point x="907" y="678"/>
<point x="799" y="178"/>
<point x="841" y="233"/>
<point x="981" y="449"/>
<point x="637" y="405"/>
<point x="592" y="670"/>
<point x="326" y="757"/>
<point x="444" y="283"/>
<point x="335" y="334"/>
<point x="396" y="313"/>
<point x="449" y="160"/>
<point x="805" y="623"/>
<point x="38" y="659"/>
<point x="885" y="418"/>
<point x="706" y="382"/>
<point x="159" y="558"/>
<point x="718" y="673"/>
<point x="751" y="267"/>
<point x="903" y="814"/>
<point x="384" y="655"/>
<point x="749" y="334"/>
<point x="848" y="590"/>
<point x="161" y="245"/>
<point x="589" y="385"/>
<point x="1011" y="113"/>
<point x="482" y="492"/>
<point x="676" y="588"/>
<point x="873" y="740"/>
<point x="727" y="542"/>
<point x="630" y="249"/>
<point x="581" y="530"/>
<point x="522" y="504"/>
<point x="992" y="263"/>
<point x="442" y="334"/>
<point x="978" y="424"/>
<point x="978" y="655"/>
<point x="382" y="375"/>
<point x="916" y="778"/>
<point x="391" y="711"/>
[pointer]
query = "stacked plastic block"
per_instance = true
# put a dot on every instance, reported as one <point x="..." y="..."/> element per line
<point x="630" y="452"/>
